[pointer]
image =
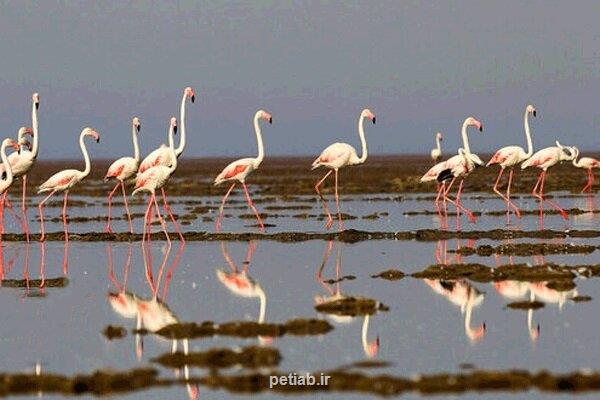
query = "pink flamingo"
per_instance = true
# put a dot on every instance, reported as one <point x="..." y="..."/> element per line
<point x="515" y="290"/>
<point x="589" y="164"/>
<point x="64" y="180"/>
<point x="7" y="181"/>
<point x="458" y="166"/>
<point x="156" y="178"/>
<point x="162" y="155"/>
<point x="22" y="161"/>
<point x="544" y="159"/>
<point x="510" y="156"/>
<point x="436" y="152"/>
<point x="124" y="170"/>
<point x="238" y="170"/>
<point x="339" y="155"/>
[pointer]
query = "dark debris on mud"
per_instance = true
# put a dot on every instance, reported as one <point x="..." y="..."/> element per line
<point x="27" y="283"/>
<point x="112" y="332"/>
<point x="351" y="306"/>
<point x="390" y="275"/>
<point x="247" y="357"/>
<point x="525" y="305"/>
<point x="526" y="249"/>
<point x="244" y="329"/>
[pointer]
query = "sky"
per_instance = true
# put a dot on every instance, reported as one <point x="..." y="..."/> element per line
<point x="420" y="66"/>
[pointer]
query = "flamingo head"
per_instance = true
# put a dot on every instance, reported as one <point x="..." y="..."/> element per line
<point x="439" y="136"/>
<point x="477" y="333"/>
<point x="567" y="153"/>
<point x="574" y="151"/>
<point x="474" y="122"/>
<point x="12" y="143"/>
<point x="262" y="114"/>
<point x="534" y="333"/>
<point x="36" y="100"/>
<point x="189" y="92"/>
<point x="531" y="110"/>
<point x="136" y="123"/>
<point x="366" y="113"/>
<point x="173" y="124"/>
<point x="91" y="132"/>
<point x="24" y="131"/>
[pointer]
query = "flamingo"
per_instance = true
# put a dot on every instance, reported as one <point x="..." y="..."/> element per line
<point x="462" y="294"/>
<point x="124" y="170"/>
<point x="64" y="180"/>
<point x="458" y="166"/>
<point x="514" y="290"/>
<point x="22" y="161"/>
<point x="339" y="155"/>
<point x="238" y="170"/>
<point x="162" y="155"/>
<point x="544" y="159"/>
<point x="156" y="178"/>
<point x="510" y="156"/>
<point x="589" y="164"/>
<point x="7" y="181"/>
<point x="436" y="152"/>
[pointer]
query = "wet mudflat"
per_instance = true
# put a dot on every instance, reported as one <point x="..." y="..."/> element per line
<point x="391" y="306"/>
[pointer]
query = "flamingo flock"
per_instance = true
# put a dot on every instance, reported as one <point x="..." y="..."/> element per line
<point x="153" y="172"/>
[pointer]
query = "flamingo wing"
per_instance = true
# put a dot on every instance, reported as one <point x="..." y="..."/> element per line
<point x="235" y="170"/>
<point x="334" y="155"/>
<point x="60" y="181"/>
<point x="160" y="156"/>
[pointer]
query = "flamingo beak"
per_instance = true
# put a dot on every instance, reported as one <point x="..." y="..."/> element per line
<point x="138" y="127"/>
<point x="193" y="98"/>
<point x="534" y="113"/>
<point x="175" y="129"/>
<point x="270" y="120"/>
<point x="480" y="128"/>
<point x="373" y="119"/>
<point x="37" y="105"/>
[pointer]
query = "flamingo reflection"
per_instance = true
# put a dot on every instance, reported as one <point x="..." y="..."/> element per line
<point x="517" y="290"/>
<point x="464" y="295"/>
<point x="334" y="293"/>
<point x="241" y="283"/>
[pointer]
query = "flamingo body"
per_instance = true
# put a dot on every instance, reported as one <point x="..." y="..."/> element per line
<point x="544" y="159"/>
<point x="123" y="169"/>
<point x="336" y="156"/>
<point x="508" y="156"/>
<point x="237" y="170"/>
<point x="61" y="181"/>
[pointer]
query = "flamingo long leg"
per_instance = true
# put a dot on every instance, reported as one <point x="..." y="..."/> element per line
<point x="126" y="207"/>
<point x="2" y="214"/>
<point x="534" y="192"/>
<point x="251" y="204"/>
<point x="590" y="181"/>
<point x="329" y="222"/>
<point x="110" y="197"/>
<point x="10" y="209"/>
<point x="457" y="203"/>
<point x="442" y="215"/>
<point x="163" y="224"/>
<point x="64" y="215"/>
<point x="509" y="202"/>
<point x="168" y="209"/>
<point x="222" y="208"/>
<point x="554" y="204"/>
<point x="66" y="257"/>
<point x="41" y="208"/>
<point x="24" y="208"/>
<point x="42" y="264"/>
<point x="147" y="219"/>
<point x="337" y="202"/>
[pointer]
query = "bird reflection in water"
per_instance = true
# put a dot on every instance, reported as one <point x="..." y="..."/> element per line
<point x="239" y="282"/>
<point x="464" y="295"/>
<point x="152" y="313"/>
<point x="334" y="293"/>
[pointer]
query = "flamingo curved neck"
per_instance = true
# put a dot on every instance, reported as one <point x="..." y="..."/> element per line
<point x="8" y="169"/>
<point x="86" y="156"/>
<point x="576" y="162"/>
<point x="438" y="145"/>
<point x="365" y="330"/>
<point x="363" y="140"/>
<point x="172" y="150"/>
<point x="136" y="146"/>
<point x="465" y="137"/>
<point x="181" y="146"/>
<point x="34" y="125"/>
<point x="528" y="135"/>
<point x="259" y="141"/>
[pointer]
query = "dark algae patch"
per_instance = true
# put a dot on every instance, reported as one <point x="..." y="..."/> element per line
<point x="527" y="249"/>
<point x="247" y="357"/>
<point x="390" y="275"/>
<point x="245" y="329"/>
<point x="351" y="306"/>
<point x="112" y="332"/>
<point x="525" y="305"/>
<point x="25" y="283"/>
<point x="578" y="299"/>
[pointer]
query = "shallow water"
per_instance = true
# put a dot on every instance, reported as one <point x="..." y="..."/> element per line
<point x="426" y="330"/>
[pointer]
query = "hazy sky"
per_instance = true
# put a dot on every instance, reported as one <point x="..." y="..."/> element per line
<point x="420" y="66"/>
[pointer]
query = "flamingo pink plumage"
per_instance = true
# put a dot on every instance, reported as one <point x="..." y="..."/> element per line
<point x="162" y="155"/>
<point x="544" y="159"/>
<point x="508" y="157"/>
<point x="124" y="170"/>
<point x="340" y="155"/>
<point x="156" y="178"/>
<point x="238" y="170"/>
<point x="22" y="161"/>
<point x="64" y="180"/>
<point x="7" y="180"/>
<point x="587" y="163"/>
